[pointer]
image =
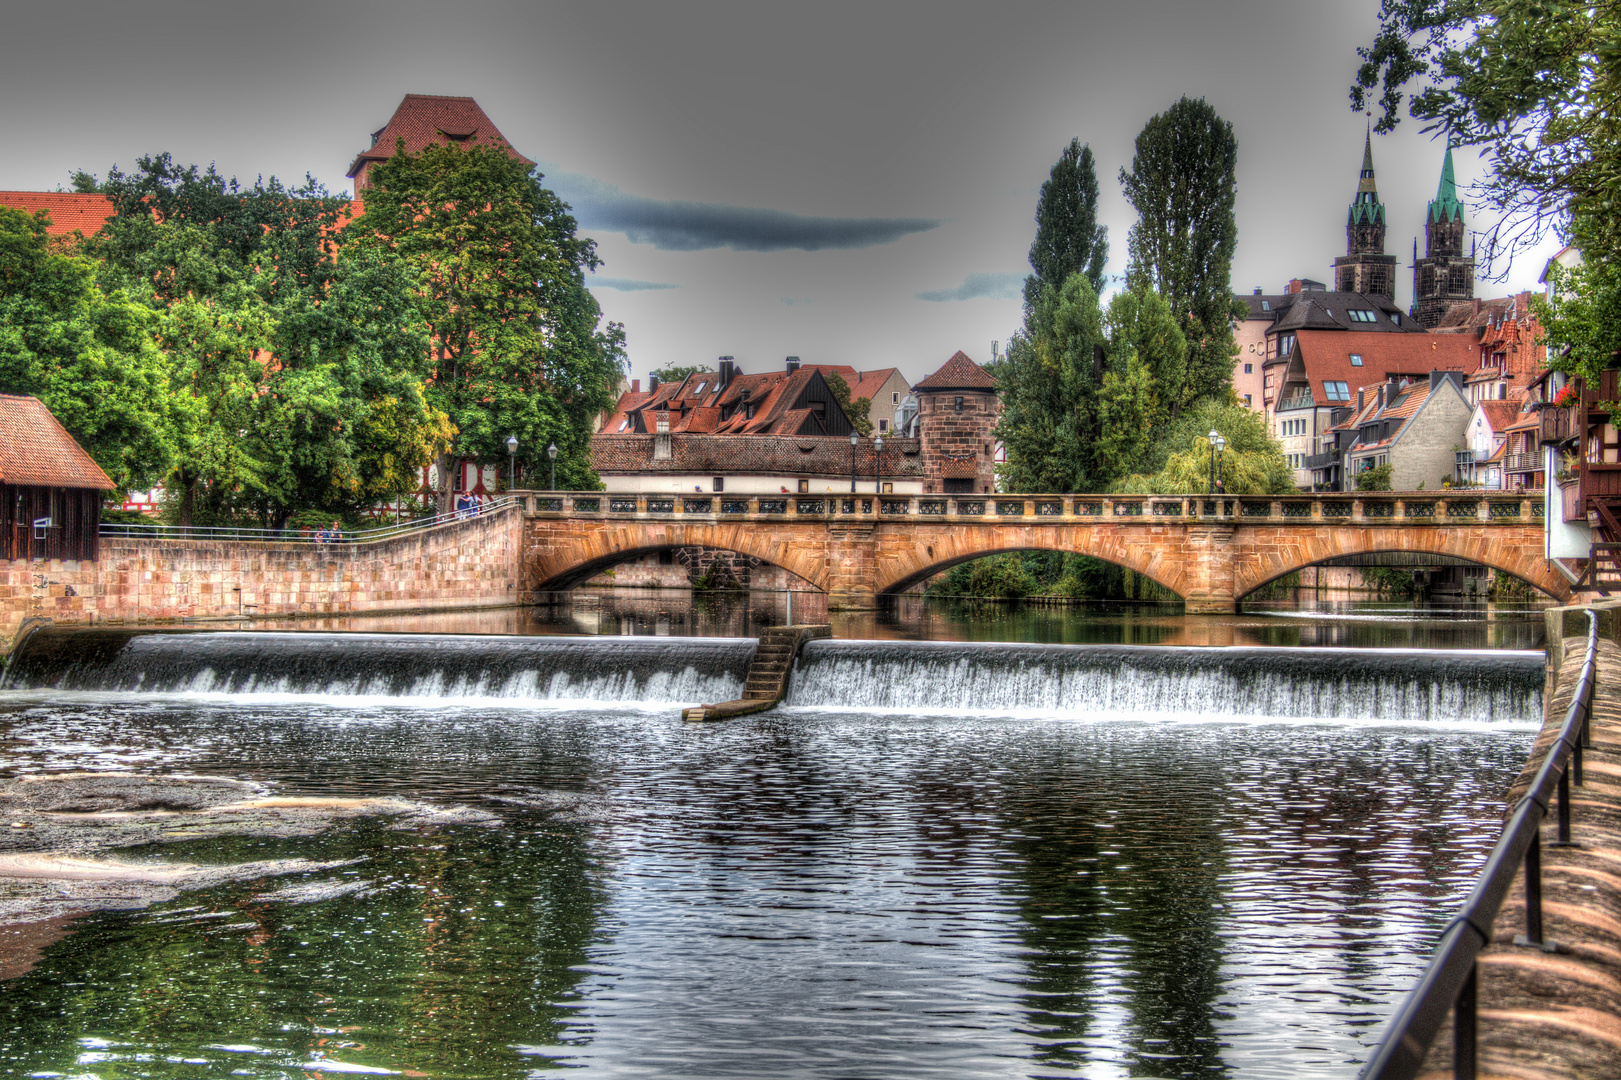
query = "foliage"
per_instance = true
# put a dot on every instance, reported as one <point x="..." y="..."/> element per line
<point x="1582" y="326"/>
<point x="1374" y="479"/>
<point x="1049" y="384"/>
<point x="858" y="411"/>
<point x="1252" y="464"/>
<point x="1389" y="580"/>
<point x="674" y="373"/>
<point x="1535" y="85"/>
<point x="514" y="332"/>
<point x="88" y="354"/>
<point x="1182" y="183"/>
<point x="1069" y="239"/>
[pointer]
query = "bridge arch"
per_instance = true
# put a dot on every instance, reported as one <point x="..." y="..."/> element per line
<point x="559" y="558"/>
<point x="901" y="566"/>
<point x="1484" y="547"/>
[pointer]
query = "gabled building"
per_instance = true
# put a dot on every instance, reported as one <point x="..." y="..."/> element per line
<point x="958" y="408"/>
<point x="794" y="401"/>
<point x="1412" y="425"/>
<point x="1365" y="268"/>
<point x="1276" y="322"/>
<point x="1316" y="381"/>
<point x="1482" y="460"/>
<point x="1512" y="355"/>
<point x="50" y="489"/>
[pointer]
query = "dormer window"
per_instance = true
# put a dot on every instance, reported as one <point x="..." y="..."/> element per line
<point x="1362" y="315"/>
<point x="1356" y="359"/>
<point x="1266" y="305"/>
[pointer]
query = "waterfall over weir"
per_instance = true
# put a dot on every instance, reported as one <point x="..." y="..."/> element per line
<point x="1391" y="685"/>
<point x="406" y="666"/>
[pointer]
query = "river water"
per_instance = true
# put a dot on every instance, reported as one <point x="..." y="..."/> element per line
<point x="1180" y="849"/>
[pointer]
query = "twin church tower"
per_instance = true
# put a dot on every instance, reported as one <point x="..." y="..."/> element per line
<point x="1443" y="277"/>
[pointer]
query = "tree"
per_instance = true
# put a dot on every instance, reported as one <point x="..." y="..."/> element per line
<point x="1535" y="85"/>
<point x="858" y="411"/>
<point x="1069" y="239"/>
<point x="514" y="334"/>
<point x="1375" y="479"/>
<point x="1182" y="182"/>
<point x="1253" y="462"/>
<point x="88" y="355"/>
<point x="675" y="373"/>
<point x="1048" y="386"/>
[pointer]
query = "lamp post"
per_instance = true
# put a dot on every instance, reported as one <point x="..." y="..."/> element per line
<point x="878" y="468"/>
<point x="1215" y="437"/>
<point x="854" y="442"/>
<point x="512" y="462"/>
<point x="1221" y="457"/>
<point x="551" y="452"/>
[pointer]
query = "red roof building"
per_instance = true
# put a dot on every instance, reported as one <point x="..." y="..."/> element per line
<point x="424" y="119"/>
<point x="70" y="211"/>
<point x="50" y="489"/>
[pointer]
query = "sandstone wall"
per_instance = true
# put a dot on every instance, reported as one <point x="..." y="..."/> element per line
<point x="465" y="564"/>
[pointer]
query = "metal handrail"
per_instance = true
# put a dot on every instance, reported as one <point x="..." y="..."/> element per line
<point x="1449" y="983"/>
<point x="143" y="531"/>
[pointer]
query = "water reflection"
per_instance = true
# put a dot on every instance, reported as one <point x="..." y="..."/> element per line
<point x="805" y="893"/>
<point x="1306" y="623"/>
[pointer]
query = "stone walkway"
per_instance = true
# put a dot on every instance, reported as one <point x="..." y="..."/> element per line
<point x="1548" y="1015"/>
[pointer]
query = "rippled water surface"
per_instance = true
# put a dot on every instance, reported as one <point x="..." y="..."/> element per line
<point x="810" y="893"/>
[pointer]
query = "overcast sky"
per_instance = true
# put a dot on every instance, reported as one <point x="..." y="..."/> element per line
<point x="846" y="183"/>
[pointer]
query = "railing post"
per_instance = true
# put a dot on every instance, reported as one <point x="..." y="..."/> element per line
<point x="1464" y="1031"/>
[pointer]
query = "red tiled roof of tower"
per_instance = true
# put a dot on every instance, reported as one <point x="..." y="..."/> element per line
<point x="36" y="450"/>
<point x="70" y="211"/>
<point x="958" y="373"/>
<point x="422" y="119"/>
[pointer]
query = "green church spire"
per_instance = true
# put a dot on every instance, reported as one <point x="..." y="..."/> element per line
<point x="1446" y="206"/>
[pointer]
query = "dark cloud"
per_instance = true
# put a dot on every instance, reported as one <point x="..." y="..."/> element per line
<point x="978" y="286"/>
<point x="692" y="226"/>
<point x="626" y="284"/>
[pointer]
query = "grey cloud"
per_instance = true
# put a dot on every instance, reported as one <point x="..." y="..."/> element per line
<point x="674" y="225"/>
<point x="978" y="286"/>
<point x="626" y="284"/>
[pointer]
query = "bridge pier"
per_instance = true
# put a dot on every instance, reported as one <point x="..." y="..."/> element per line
<point x="1210" y="571"/>
<point x="852" y="564"/>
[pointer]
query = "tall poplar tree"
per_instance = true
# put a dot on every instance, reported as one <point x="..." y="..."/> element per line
<point x="1069" y="239"/>
<point x="1183" y="183"/>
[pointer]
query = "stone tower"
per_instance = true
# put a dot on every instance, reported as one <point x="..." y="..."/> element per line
<point x="1444" y="276"/>
<point x="957" y="412"/>
<point x="1365" y="268"/>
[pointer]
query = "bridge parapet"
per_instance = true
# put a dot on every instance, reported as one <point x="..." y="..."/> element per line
<point x="1449" y="508"/>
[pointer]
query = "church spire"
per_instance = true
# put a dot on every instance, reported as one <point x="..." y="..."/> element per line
<point x="1446" y="206"/>
<point x="1365" y="268"/>
<point x="1366" y="209"/>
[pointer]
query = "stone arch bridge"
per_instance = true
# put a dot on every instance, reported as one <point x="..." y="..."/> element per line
<point x="1210" y="552"/>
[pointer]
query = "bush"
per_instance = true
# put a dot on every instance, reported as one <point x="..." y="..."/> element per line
<point x="1374" y="479"/>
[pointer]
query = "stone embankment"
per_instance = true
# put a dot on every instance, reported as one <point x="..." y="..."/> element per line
<point x="1557" y="1015"/>
<point x="463" y="564"/>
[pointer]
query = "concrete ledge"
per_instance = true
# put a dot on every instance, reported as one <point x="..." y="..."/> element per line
<point x="768" y="675"/>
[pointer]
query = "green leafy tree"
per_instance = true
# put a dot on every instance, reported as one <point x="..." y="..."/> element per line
<point x="1183" y="183"/>
<point x="1374" y="479"/>
<point x="89" y="355"/>
<point x="515" y="336"/>
<point x="858" y="411"/>
<point x="1532" y="83"/>
<point x="1141" y="324"/>
<point x="1069" y="239"/>
<point x="1253" y="463"/>
<point x="675" y="373"/>
<point x="1049" y="385"/>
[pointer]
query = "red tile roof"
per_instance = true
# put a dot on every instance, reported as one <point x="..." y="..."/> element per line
<point x="37" y="451"/>
<point x="422" y="119"/>
<point x="1326" y="357"/>
<point x="696" y="404"/>
<point x="69" y="210"/>
<point x="958" y="373"/>
<point x="781" y="455"/>
<point x="1500" y="414"/>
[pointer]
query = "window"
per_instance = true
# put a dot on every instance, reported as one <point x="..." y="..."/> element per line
<point x="1395" y="317"/>
<point x="883" y="426"/>
<point x="1336" y="391"/>
<point x="667" y="557"/>
<point x="958" y="405"/>
<point x="1266" y="305"/>
<point x="1362" y="315"/>
<point x="895" y="397"/>
<point x="625" y="423"/>
<point x="1248" y="402"/>
<point x="1356" y="359"/>
<point x="1286" y="344"/>
<point x="720" y="483"/>
<point x="1249" y="369"/>
<point x="804" y="487"/>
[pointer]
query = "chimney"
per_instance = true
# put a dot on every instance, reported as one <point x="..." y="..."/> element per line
<point x="1359" y="403"/>
<point x="793" y="364"/>
<point x="635" y="386"/>
<point x="727" y="370"/>
<point x="652" y="383"/>
<point x="1293" y="286"/>
<point x="1257" y="290"/>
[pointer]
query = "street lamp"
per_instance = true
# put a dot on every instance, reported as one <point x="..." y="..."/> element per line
<point x="854" y="441"/>
<point x="1215" y="438"/>
<point x="512" y="462"/>
<point x="878" y="465"/>
<point x="551" y="452"/>
<point x="1221" y="457"/>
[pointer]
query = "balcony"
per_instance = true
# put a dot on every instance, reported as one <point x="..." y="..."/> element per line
<point x="1296" y="401"/>
<point x="1327" y="459"/>
<point x="1522" y="463"/>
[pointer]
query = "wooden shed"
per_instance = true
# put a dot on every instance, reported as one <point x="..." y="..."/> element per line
<point x="50" y="489"/>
